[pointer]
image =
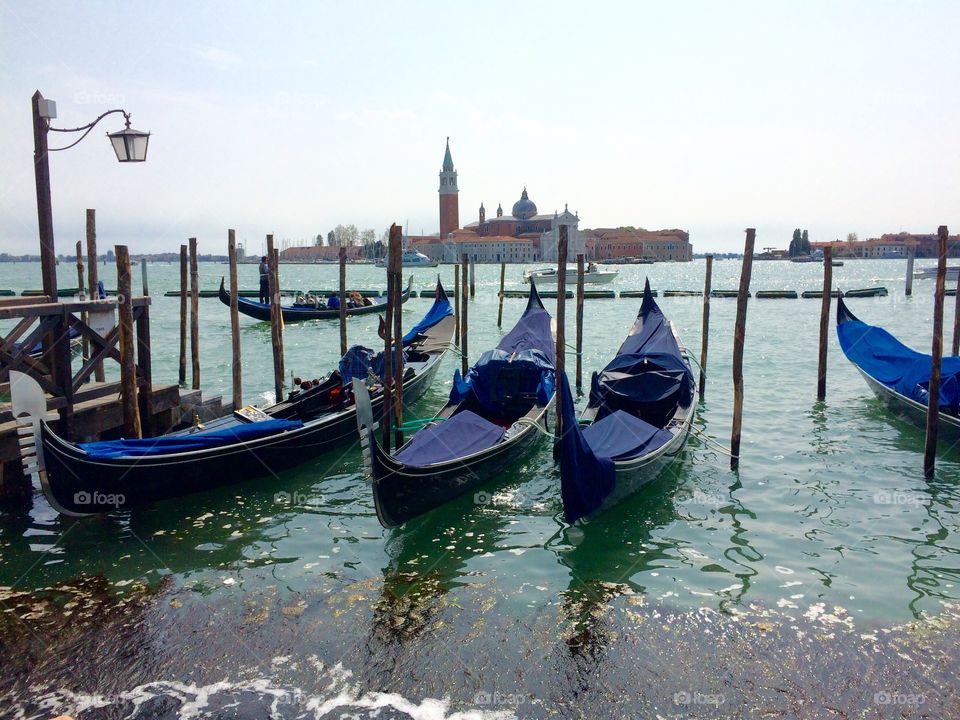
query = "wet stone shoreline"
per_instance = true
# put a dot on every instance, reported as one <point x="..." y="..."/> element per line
<point x="415" y="647"/>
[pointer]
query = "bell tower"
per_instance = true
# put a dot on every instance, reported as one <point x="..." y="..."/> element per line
<point x="449" y="203"/>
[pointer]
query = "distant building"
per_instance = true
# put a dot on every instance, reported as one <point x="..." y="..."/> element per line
<point x="660" y="245"/>
<point x="891" y="245"/>
<point x="319" y="253"/>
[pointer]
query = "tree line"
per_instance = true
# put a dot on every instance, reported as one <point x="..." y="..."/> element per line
<point x="800" y="245"/>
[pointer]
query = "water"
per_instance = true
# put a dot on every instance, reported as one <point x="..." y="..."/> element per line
<point x="828" y="529"/>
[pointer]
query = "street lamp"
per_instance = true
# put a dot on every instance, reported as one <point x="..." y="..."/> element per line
<point x="130" y="146"/>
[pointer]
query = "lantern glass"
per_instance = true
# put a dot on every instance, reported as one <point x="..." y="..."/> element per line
<point x="130" y="145"/>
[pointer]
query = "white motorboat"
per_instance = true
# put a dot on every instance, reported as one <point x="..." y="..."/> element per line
<point x="591" y="275"/>
<point x="411" y="258"/>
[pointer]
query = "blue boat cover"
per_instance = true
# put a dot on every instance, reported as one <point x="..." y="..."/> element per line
<point x="169" y="444"/>
<point x="620" y="436"/>
<point x="463" y="434"/>
<point x="891" y="363"/>
<point x="437" y="312"/>
<point x="586" y="478"/>
<point x="521" y="367"/>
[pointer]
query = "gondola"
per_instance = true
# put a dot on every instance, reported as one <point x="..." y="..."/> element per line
<point x="636" y="422"/>
<point x="97" y="477"/>
<point x="298" y="313"/>
<point x="493" y="416"/>
<point x="898" y="375"/>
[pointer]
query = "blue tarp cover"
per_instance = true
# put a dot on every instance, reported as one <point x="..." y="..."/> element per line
<point x="463" y="434"/>
<point x="893" y="364"/>
<point x="438" y="311"/>
<point x="166" y="444"/>
<point x="621" y="435"/>
<point x="586" y="478"/>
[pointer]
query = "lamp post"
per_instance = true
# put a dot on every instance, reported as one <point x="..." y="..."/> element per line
<point x="129" y="145"/>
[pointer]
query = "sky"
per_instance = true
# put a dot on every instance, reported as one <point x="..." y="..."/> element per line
<point x="292" y="117"/>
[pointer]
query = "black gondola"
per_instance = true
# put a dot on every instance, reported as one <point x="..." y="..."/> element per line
<point x="637" y="419"/>
<point x="898" y="375"/>
<point x="299" y="313"/>
<point x="92" y="478"/>
<point x="493" y="416"/>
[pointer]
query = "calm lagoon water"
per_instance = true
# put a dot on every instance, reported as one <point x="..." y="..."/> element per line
<point x="287" y="590"/>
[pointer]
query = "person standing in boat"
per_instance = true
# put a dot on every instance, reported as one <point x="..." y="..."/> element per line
<point x="264" y="280"/>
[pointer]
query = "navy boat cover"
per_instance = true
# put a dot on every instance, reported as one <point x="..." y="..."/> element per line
<point x="464" y="434"/>
<point x="437" y="312"/>
<point x="168" y="444"/>
<point x="891" y="363"/>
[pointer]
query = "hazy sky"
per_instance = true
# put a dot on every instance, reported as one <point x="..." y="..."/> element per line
<point x="293" y="117"/>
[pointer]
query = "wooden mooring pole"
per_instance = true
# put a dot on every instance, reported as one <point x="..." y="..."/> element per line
<point x="92" y="279"/>
<point x="579" y="323"/>
<point x="128" y="369"/>
<point x="396" y="261"/>
<point x="83" y="315"/>
<point x="343" y="300"/>
<point x="143" y="277"/>
<point x="705" y="327"/>
<point x="456" y="303"/>
<point x="739" y="331"/>
<point x="393" y="253"/>
<point x="503" y="279"/>
<point x="908" y="290"/>
<point x="824" y="322"/>
<point x="956" y="319"/>
<point x="464" y="327"/>
<point x="561" y="321"/>
<point x="473" y="278"/>
<point x="276" y="318"/>
<point x="194" y="316"/>
<point x="933" y="397"/>
<point x="235" y="321"/>
<point x="183" y="316"/>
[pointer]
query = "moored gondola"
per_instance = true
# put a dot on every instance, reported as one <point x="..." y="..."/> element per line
<point x="299" y="313"/>
<point x="493" y="416"/>
<point x="899" y="375"/>
<point x="97" y="477"/>
<point x="637" y="419"/>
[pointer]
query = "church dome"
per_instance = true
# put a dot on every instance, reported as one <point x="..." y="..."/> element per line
<point x="524" y="208"/>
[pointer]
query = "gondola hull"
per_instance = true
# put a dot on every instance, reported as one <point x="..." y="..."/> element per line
<point x="261" y="311"/>
<point x="77" y="485"/>
<point x="403" y="492"/>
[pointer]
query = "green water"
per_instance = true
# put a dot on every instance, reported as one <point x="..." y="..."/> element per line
<point x="829" y="505"/>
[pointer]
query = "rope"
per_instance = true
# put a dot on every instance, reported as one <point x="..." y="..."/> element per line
<point x="709" y="441"/>
<point x="417" y="424"/>
<point x="534" y="424"/>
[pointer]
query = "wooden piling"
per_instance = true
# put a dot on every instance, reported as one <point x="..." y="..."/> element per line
<point x="579" y="323"/>
<point x="92" y="279"/>
<point x="739" y="331"/>
<point x="194" y="316"/>
<point x="82" y="295"/>
<point x="911" y="253"/>
<point x="276" y="317"/>
<point x="343" y="300"/>
<point x="933" y="396"/>
<point x="503" y="279"/>
<point x="128" y="369"/>
<point x="705" y="327"/>
<point x="825" y="322"/>
<point x="456" y="303"/>
<point x="473" y="278"/>
<point x="235" y="321"/>
<point x="183" y="316"/>
<point x="393" y="253"/>
<point x="463" y="316"/>
<point x="143" y="277"/>
<point x="561" y="320"/>
<point x="396" y="260"/>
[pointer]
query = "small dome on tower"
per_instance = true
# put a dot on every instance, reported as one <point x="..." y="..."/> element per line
<point x="524" y="208"/>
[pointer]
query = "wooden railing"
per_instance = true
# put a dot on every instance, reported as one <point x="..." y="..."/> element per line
<point x="50" y="323"/>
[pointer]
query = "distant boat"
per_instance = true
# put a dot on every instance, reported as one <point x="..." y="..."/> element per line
<point x="803" y="259"/>
<point x="836" y="263"/>
<point x="411" y="259"/>
<point x="931" y="273"/>
<point x="591" y="275"/>
<point x="630" y="261"/>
